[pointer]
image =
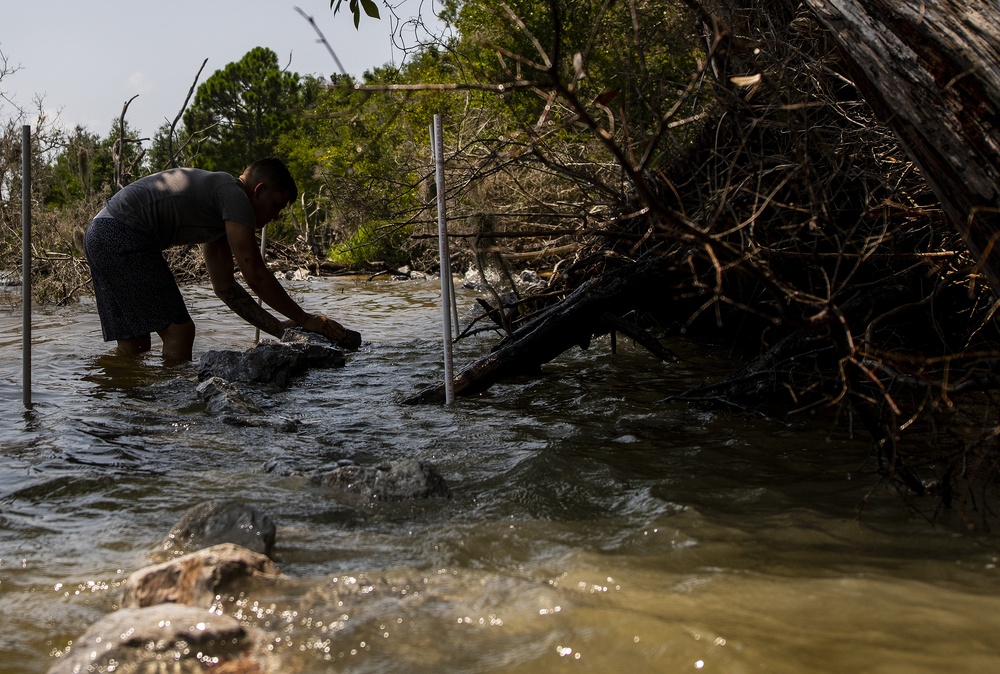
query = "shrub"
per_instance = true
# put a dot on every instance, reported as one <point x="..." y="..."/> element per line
<point x="374" y="243"/>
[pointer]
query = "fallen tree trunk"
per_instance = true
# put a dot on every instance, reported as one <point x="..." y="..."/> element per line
<point x="571" y="322"/>
<point x="930" y="70"/>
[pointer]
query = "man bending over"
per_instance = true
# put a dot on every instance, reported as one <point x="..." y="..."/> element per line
<point x="135" y="289"/>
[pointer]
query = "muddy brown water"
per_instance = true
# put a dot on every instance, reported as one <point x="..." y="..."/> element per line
<point x="594" y="526"/>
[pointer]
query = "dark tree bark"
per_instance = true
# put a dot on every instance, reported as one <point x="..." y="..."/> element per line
<point x="595" y="307"/>
<point x="930" y="69"/>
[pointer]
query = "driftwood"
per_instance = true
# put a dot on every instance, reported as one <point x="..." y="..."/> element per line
<point x="571" y="322"/>
<point x="616" y="323"/>
<point x="930" y="70"/>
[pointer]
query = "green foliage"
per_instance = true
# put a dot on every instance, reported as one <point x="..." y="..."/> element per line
<point x="83" y="167"/>
<point x="371" y="9"/>
<point x="353" y="159"/>
<point x="373" y="242"/>
<point x="159" y="156"/>
<point x="73" y="169"/>
<point x="595" y="47"/>
<point x="240" y="112"/>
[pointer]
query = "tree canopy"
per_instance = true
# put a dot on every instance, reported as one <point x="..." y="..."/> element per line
<point x="241" y="111"/>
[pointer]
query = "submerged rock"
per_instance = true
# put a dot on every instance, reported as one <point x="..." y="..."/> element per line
<point x="386" y="482"/>
<point x="227" y="378"/>
<point x="172" y="638"/>
<point x="235" y="407"/>
<point x="391" y="481"/>
<point x="219" y="521"/>
<point x="287" y="466"/>
<point x="224" y="397"/>
<point x="195" y="579"/>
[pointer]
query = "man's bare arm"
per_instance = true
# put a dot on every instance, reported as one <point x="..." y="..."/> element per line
<point x="245" y="252"/>
<point x="240" y="247"/>
<point x="246" y="307"/>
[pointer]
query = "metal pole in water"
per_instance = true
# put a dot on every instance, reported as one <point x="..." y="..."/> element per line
<point x="446" y="289"/>
<point x="454" y="302"/>
<point x="451" y="279"/>
<point x="26" y="263"/>
<point x="260" y="302"/>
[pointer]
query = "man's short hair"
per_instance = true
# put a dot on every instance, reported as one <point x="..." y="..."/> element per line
<point x="273" y="172"/>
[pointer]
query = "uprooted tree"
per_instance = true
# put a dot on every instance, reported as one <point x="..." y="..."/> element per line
<point x="822" y="192"/>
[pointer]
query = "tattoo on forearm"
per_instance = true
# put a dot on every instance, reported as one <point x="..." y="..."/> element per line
<point x="246" y="307"/>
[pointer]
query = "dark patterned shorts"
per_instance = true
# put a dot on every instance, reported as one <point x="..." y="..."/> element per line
<point x="135" y="289"/>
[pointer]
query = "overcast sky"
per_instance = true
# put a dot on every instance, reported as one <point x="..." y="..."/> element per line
<point x="86" y="58"/>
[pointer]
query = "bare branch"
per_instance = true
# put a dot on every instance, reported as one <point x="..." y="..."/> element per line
<point x="322" y="39"/>
<point x="447" y="86"/>
<point x="118" y="151"/>
<point x="524" y="29"/>
<point x="173" y="125"/>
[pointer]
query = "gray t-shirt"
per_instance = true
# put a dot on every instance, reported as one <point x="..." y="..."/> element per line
<point x="182" y="205"/>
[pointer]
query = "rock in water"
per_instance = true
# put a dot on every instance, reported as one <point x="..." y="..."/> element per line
<point x="215" y="522"/>
<point x="285" y="466"/>
<point x="351" y="341"/>
<point x="197" y="578"/>
<point x="164" y="638"/>
<point x="273" y="363"/>
<point x="232" y="406"/>
<point x="224" y="398"/>
<point x="391" y="481"/>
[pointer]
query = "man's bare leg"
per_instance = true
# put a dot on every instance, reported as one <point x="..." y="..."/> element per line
<point x="178" y="340"/>
<point x="134" y="346"/>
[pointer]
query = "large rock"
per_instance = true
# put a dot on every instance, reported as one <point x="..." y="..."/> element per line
<point x="220" y="521"/>
<point x="169" y="638"/>
<point x="270" y="363"/>
<point x="197" y="578"/>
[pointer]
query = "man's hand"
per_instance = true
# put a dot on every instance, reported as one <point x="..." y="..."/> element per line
<point x="327" y="327"/>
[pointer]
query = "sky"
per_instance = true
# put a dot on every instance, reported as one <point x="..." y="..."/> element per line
<point x="86" y="58"/>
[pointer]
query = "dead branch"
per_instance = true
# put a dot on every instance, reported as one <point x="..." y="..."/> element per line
<point x="173" y="125"/>
<point x="123" y="174"/>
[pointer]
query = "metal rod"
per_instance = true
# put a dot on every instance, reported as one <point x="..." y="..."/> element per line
<point x="26" y="263"/>
<point x="455" y="325"/>
<point x="446" y="281"/>
<point x="260" y="302"/>
<point x="454" y="303"/>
